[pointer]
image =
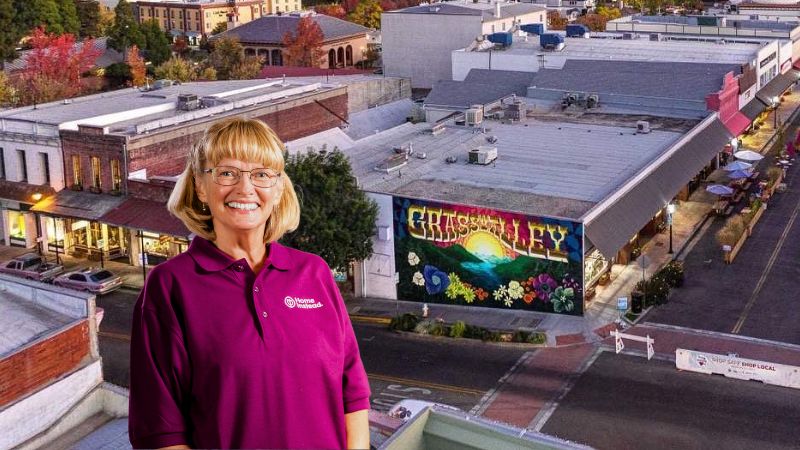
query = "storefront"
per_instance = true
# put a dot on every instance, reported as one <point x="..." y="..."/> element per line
<point x="95" y="240"/>
<point x="157" y="248"/>
<point x="17" y="220"/>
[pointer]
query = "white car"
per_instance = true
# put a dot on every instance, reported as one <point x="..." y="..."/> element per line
<point x="93" y="279"/>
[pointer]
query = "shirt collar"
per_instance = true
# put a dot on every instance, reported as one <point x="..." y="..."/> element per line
<point x="212" y="259"/>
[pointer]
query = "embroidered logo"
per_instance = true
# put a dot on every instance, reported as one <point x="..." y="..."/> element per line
<point x="301" y="303"/>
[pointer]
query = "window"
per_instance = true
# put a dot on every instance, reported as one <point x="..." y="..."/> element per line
<point x="77" y="277"/>
<point x="116" y="177"/>
<point x="95" y="172"/>
<point x="45" y="167"/>
<point x="197" y="15"/>
<point x="23" y="166"/>
<point x="180" y="14"/>
<point x="2" y="165"/>
<point x="156" y="13"/>
<point x="77" y="177"/>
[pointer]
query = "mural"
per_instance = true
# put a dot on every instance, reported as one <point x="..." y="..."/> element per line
<point x="464" y="255"/>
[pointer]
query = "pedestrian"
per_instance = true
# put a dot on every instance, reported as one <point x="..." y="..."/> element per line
<point x="241" y="342"/>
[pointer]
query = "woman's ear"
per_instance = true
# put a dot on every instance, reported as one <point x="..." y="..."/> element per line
<point x="200" y="189"/>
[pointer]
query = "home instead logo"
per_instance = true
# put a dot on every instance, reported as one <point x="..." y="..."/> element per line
<point x="301" y="303"/>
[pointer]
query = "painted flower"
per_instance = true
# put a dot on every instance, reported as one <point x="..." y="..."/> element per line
<point x="529" y="297"/>
<point x="481" y="294"/>
<point x="569" y="282"/>
<point x="501" y="293"/>
<point x="508" y="301"/>
<point x="515" y="290"/>
<point x="544" y="285"/>
<point x="436" y="281"/>
<point x="563" y="299"/>
<point x="418" y="279"/>
<point x="413" y="259"/>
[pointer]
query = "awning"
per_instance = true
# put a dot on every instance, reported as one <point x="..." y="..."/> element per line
<point x="737" y="123"/>
<point x="145" y="215"/>
<point x="23" y="192"/>
<point x="77" y="205"/>
<point x="777" y="86"/>
<point x="611" y="223"/>
<point x="796" y="64"/>
<point x="753" y="109"/>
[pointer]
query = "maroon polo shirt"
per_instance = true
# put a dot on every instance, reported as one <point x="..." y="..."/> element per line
<point x="222" y="357"/>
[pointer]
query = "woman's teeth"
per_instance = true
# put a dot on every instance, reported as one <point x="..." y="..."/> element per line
<point x="245" y="206"/>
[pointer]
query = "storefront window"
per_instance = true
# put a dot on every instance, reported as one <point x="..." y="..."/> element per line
<point x="594" y="266"/>
<point x="16" y="222"/>
<point x="156" y="247"/>
<point x="55" y="233"/>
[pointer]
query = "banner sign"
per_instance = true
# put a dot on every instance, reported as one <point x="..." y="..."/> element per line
<point x="739" y="368"/>
<point x="458" y="254"/>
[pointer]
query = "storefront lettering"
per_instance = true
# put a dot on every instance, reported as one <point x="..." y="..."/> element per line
<point x="536" y="239"/>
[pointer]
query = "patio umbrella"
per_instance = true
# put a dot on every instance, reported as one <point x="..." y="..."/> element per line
<point x="738" y="174"/>
<point x="748" y="155"/>
<point x="737" y="165"/>
<point x="719" y="189"/>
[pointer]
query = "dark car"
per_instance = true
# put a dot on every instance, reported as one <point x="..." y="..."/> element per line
<point x="93" y="279"/>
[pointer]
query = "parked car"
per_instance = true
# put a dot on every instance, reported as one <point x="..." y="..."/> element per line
<point x="32" y="267"/>
<point x="93" y="279"/>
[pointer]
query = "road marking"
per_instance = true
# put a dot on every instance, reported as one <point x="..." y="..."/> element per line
<point x="489" y="397"/>
<point x="120" y="336"/>
<point x="738" y="327"/>
<point x="369" y="319"/>
<point x="425" y="384"/>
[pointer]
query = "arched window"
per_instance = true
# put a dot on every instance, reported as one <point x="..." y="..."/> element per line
<point x="264" y="55"/>
<point x="331" y="58"/>
<point x="249" y="52"/>
<point x="277" y="58"/>
<point x="348" y="55"/>
<point x="340" y="57"/>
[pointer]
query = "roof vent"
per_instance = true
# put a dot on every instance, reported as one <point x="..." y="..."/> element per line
<point x="484" y="154"/>
<point x="188" y="102"/>
<point x="474" y="115"/>
<point x="642" y="127"/>
<point x="392" y="163"/>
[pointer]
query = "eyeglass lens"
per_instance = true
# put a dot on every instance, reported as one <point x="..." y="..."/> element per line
<point x="228" y="176"/>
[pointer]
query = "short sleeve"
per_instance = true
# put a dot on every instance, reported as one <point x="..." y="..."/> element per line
<point x="355" y="384"/>
<point x="159" y="369"/>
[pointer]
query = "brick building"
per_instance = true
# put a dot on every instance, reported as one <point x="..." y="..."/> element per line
<point x="121" y="161"/>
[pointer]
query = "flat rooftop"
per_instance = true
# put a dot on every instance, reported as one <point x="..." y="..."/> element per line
<point x="23" y="322"/>
<point x="635" y="50"/>
<point x="549" y="165"/>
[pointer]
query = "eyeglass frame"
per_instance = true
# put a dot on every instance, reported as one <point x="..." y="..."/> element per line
<point x="239" y="178"/>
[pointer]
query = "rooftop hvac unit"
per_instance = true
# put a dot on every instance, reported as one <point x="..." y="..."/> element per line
<point x="484" y="154"/>
<point x="655" y="37"/>
<point x="592" y="101"/>
<point x="188" y="102"/>
<point x="627" y="36"/>
<point x="474" y="115"/>
<point x="208" y="102"/>
<point x="159" y="84"/>
<point x="642" y="127"/>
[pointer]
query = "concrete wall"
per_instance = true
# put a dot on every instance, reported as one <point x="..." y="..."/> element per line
<point x="463" y="62"/>
<point x="376" y="91"/>
<point x="506" y="23"/>
<point x="376" y="277"/>
<point x="34" y="139"/>
<point x="418" y="46"/>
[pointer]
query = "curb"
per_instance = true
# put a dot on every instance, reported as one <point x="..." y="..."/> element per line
<point x="370" y="319"/>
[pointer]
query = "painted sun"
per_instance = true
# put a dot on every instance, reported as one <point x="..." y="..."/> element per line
<point x="484" y="244"/>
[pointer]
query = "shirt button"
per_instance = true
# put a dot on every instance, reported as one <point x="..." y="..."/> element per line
<point x="238" y="268"/>
<point x="264" y="313"/>
<point x="255" y="289"/>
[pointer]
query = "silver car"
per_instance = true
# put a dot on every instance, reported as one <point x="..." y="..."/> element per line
<point x="93" y="279"/>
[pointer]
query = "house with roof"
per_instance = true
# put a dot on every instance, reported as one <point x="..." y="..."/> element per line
<point x="344" y="43"/>
<point x="417" y="42"/>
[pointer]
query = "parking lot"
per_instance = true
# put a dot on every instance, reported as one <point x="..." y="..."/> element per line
<point x="625" y="401"/>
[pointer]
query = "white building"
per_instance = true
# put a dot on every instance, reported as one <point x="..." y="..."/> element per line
<point x="417" y="42"/>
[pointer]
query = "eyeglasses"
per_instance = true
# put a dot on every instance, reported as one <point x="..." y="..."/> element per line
<point x="229" y="176"/>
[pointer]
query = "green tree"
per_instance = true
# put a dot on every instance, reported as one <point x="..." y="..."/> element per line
<point x="125" y="32"/>
<point x="69" y="16"/>
<point x="8" y="93"/>
<point x="36" y="13"/>
<point x="11" y="34"/>
<point x="89" y="17"/>
<point x="118" y="74"/>
<point x="367" y="13"/>
<point x="177" y="69"/>
<point x="227" y="54"/>
<point x="157" y="49"/>
<point x="219" y="28"/>
<point x="106" y="21"/>
<point x="609" y="12"/>
<point x="337" y="218"/>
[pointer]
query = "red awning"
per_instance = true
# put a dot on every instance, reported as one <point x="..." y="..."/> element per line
<point x="796" y="64"/>
<point x="145" y="215"/>
<point x="737" y="123"/>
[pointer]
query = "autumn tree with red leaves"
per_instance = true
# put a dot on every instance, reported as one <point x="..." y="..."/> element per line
<point x="304" y="47"/>
<point x="54" y="66"/>
<point x="333" y="10"/>
<point x="137" y="67"/>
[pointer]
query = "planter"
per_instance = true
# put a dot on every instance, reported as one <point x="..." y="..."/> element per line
<point x="755" y="219"/>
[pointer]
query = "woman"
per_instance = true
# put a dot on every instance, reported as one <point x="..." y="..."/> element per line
<point x="239" y="341"/>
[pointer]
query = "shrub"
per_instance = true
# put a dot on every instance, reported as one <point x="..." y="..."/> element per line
<point x="405" y="322"/>
<point x="656" y="290"/>
<point x="673" y="273"/>
<point x="423" y="327"/>
<point x="731" y="231"/>
<point x="457" y="329"/>
<point x="537" y="338"/>
<point x="520" y="336"/>
<point x="773" y="174"/>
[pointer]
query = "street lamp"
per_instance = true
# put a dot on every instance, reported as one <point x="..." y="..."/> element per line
<point x="36" y="197"/>
<point x="776" y="101"/>
<point x="670" y="212"/>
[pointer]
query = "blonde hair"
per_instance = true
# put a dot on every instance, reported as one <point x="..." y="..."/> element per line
<point x="248" y="140"/>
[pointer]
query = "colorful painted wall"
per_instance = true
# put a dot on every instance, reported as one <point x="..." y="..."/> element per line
<point x="463" y="255"/>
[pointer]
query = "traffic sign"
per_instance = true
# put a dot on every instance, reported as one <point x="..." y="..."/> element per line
<point x="622" y="303"/>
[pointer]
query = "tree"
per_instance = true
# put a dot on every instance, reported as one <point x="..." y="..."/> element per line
<point x="8" y="93"/>
<point x="609" y="12"/>
<point x="136" y="66"/>
<point x="247" y="69"/>
<point x="54" y="67"/>
<point x="208" y="74"/>
<point x="177" y="69"/>
<point x="219" y="28"/>
<point x="181" y="46"/>
<point x="106" y="21"/>
<point x="595" y="22"/>
<point x="304" y="47"/>
<point x="38" y="13"/>
<point x="333" y="10"/>
<point x="367" y="13"/>
<point x="337" y="218"/>
<point x="11" y="34"/>
<point x="118" y="74"/>
<point x="89" y="17"/>
<point x="156" y="48"/>
<point x="125" y="32"/>
<point x="349" y="5"/>
<point x="69" y="16"/>
<point x="555" y="21"/>
<point x="227" y="53"/>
